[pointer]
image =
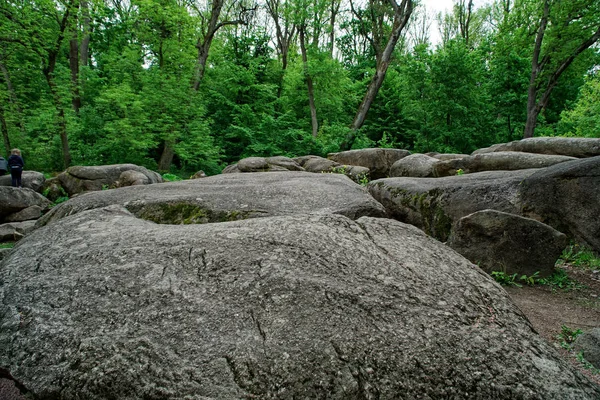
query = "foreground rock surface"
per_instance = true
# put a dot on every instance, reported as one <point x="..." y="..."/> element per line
<point x="498" y="241"/>
<point x="105" y="305"/>
<point x="231" y="197"/>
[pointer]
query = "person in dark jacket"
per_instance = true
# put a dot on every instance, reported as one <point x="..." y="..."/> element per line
<point x="3" y="166"/>
<point x="16" y="164"/>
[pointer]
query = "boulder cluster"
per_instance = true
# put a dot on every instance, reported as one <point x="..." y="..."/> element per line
<point x="295" y="284"/>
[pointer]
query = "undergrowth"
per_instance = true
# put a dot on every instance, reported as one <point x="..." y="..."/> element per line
<point x="558" y="280"/>
<point x="580" y="257"/>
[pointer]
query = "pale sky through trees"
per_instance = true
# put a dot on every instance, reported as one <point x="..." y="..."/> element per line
<point x="435" y="6"/>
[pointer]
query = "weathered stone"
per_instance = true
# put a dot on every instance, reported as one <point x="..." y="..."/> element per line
<point x="253" y="164"/>
<point x="3" y="253"/>
<point x="231" y="169"/>
<point x="26" y="214"/>
<point x="198" y="175"/>
<point x="317" y="164"/>
<point x="448" y="156"/>
<point x="498" y="161"/>
<point x="132" y="178"/>
<point x="13" y="200"/>
<point x="30" y="179"/>
<point x="104" y="305"/>
<point x="80" y="179"/>
<point x="498" y="241"/>
<point x="14" y="231"/>
<point x="588" y="343"/>
<point x="434" y="204"/>
<point x="414" y="165"/>
<point x="379" y="161"/>
<point x="566" y="197"/>
<point x="285" y="162"/>
<point x="232" y="196"/>
<point x="574" y="147"/>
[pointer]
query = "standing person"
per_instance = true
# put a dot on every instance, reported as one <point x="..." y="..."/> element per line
<point x="16" y="164"/>
<point x="3" y="166"/>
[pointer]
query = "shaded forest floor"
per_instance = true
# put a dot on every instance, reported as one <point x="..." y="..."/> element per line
<point x="549" y="309"/>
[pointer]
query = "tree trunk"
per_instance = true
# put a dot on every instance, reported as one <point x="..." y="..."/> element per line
<point x="166" y="158"/>
<point x="74" y="65"/>
<point x="335" y="7"/>
<point x="402" y="13"/>
<point x="4" y="129"/>
<point x="84" y="53"/>
<point x="204" y="45"/>
<point x="13" y="97"/>
<point x="62" y="121"/>
<point x="309" y="84"/>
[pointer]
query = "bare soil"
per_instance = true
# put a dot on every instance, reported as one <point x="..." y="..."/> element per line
<point x="549" y="309"/>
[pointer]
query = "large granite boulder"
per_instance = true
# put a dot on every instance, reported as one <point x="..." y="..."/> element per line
<point x="230" y="197"/>
<point x="415" y="165"/>
<point x="104" y="305"/>
<point x="574" y="147"/>
<point x="14" y="231"/>
<point x="567" y="197"/>
<point x="13" y="200"/>
<point x="379" y="161"/>
<point x="564" y="196"/>
<point x="30" y="179"/>
<point x="498" y="241"/>
<point x="497" y="161"/>
<point x="80" y="179"/>
<point x="435" y="204"/>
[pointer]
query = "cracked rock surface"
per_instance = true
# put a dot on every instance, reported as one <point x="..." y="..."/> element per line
<point x="103" y="305"/>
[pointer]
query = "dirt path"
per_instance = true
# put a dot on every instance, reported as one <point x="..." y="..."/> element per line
<point x="548" y="309"/>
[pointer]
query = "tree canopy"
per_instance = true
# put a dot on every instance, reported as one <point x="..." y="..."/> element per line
<point x="183" y="85"/>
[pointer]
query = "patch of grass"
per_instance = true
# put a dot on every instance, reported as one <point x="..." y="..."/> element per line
<point x="168" y="177"/>
<point x="59" y="200"/>
<point x="558" y="280"/>
<point x="8" y="245"/>
<point x="580" y="256"/>
<point x="586" y="364"/>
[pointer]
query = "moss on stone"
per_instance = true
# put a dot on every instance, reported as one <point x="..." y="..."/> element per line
<point x="186" y="214"/>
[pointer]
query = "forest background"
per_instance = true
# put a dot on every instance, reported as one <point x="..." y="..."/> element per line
<point x="183" y="85"/>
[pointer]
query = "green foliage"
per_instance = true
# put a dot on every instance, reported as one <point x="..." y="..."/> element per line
<point x="580" y="256"/>
<point x="171" y="177"/>
<point x="567" y="336"/>
<point x="583" y="119"/>
<point x="586" y="364"/>
<point x="558" y="280"/>
<point x="8" y="245"/>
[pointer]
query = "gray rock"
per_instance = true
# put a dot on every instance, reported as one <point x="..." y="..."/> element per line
<point x="80" y="179"/>
<point x="29" y="213"/>
<point x="13" y="200"/>
<point x="588" y="343"/>
<point x="317" y="164"/>
<point x="414" y="165"/>
<point x="14" y="231"/>
<point x="379" y="161"/>
<point x="447" y="156"/>
<point x="198" y="175"/>
<point x="104" y="305"/>
<point x="498" y="161"/>
<point x="232" y="196"/>
<point x="132" y="178"/>
<point x="231" y="169"/>
<point x="253" y="164"/>
<point x="285" y="162"/>
<point x="3" y="253"/>
<point x="567" y="197"/>
<point x="435" y="204"/>
<point x="30" y="179"/>
<point x="498" y="241"/>
<point x="574" y="147"/>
